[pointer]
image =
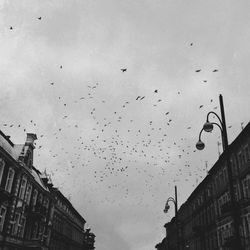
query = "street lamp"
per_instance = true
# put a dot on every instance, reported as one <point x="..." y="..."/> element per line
<point x="208" y="127"/>
<point x="174" y="200"/>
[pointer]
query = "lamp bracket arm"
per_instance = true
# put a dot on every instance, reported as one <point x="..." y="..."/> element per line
<point x="215" y="123"/>
<point x="212" y="112"/>
<point x="200" y="134"/>
<point x="170" y="199"/>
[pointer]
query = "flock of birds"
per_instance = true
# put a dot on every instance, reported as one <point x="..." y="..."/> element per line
<point x="121" y="149"/>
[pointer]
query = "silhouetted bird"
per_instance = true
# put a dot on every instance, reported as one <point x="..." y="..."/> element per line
<point x="123" y="70"/>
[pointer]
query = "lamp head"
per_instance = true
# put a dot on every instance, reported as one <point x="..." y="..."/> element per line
<point x="166" y="208"/>
<point x="200" y="145"/>
<point x="208" y="126"/>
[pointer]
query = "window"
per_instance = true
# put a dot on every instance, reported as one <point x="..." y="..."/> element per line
<point x="28" y="194"/>
<point x="21" y="226"/>
<point x="246" y="187"/>
<point x="34" y="231"/>
<point x="40" y="199"/>
<point x="221" y="177"/>
<point x="225" y="175"/>
<point x="240" y="159"/>
<point x="2" y="217"/>
<point x="219" y="205"/>
<point x="34" y="198"/>
<point x="22" y="188"/>
<point x="9" y="180"/>
<point x="15" y="224"/>
<point x="237" y="157"/>
<point x="243" y="158"/>
<point x="246" y="152"/>
<point x="2" y="164"/>
<point x="27" y="157"/>
<point x="46" y="203"/>
<point x="234" y="164"/>
<point x="217" y="181"/>
<point x="209" y="191"/>
<point x="41" y="230"/>
<point x="246" y="228"/>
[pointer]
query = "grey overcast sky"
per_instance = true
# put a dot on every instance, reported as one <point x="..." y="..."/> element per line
<point x="105" y="136"/>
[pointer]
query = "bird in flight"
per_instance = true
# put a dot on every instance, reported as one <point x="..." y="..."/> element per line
<point x="39" y="18"/>
<point x="191" y="44"/>
<point x="156" y="91"/>
<point x="123" y="70"/>
<point x="198" y="70"/>
<point x="52" y="83"/>
<point x="215" y="70"/>
<point x="11" y="28"/>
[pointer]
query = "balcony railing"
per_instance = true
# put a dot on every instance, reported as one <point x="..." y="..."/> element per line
<point x="227" y="208"/>
<point x="244" y="168"/>
<point x="230" y="242"/>
<point x="4" y="195"/>
<point x="199" y="229"/>
<point x="36" y="212"/>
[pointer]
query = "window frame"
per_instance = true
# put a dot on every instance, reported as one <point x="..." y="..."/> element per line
<point x="14" y="230"/>
<point x="34" y="197"/>
<point x="22" y="189"/>
<point x="28" y="193"/>
<point x="8" y="185"/>
<point x="2" y="217"/>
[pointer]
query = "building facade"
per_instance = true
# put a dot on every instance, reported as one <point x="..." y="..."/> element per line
<point x="68" y="232"/>
<point x="205" y="219"/>
<point x="29" y="205"/>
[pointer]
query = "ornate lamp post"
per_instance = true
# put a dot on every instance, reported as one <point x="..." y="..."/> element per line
<point x="174" y="200"/>
<point x="208" y="127"/>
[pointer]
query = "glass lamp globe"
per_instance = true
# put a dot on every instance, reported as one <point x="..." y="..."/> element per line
<point x="166" y="208"/>
<point x="200" y="145"/>
<point x="208" y="126"/>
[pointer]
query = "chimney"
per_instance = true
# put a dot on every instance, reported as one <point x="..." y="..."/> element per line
<point x="50" y="184"/>
<point x="30" y="139"/>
